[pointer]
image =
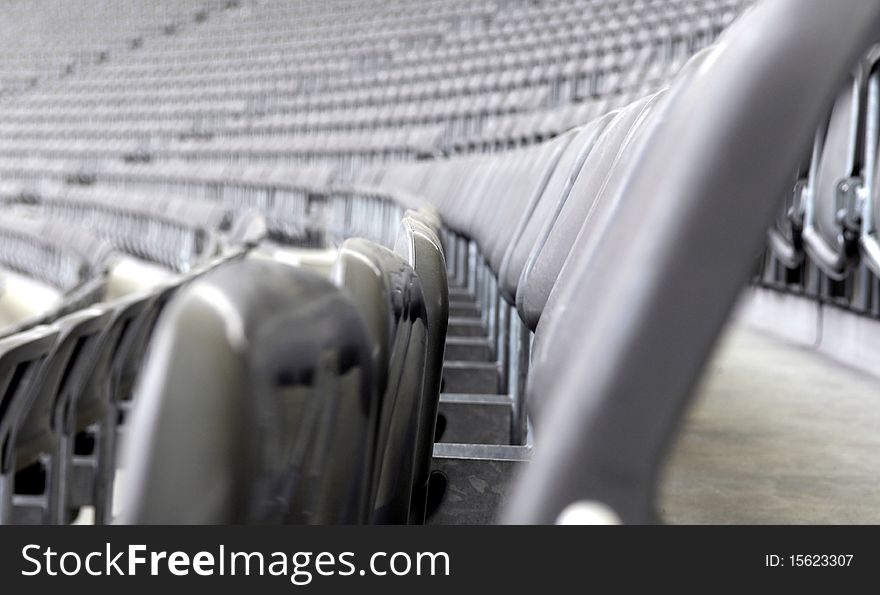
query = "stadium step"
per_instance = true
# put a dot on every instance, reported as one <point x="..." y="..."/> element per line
<point x="466" y="327"/>
<point x="478" y="481"/>
<point x="474" y="349"/>
<point x="462" y="308"/>
<point x="475" y="418"/>
<point x="471" y="377"/>
<point x="459" y="293"/>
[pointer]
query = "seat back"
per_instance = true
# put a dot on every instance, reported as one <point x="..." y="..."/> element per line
<point x="459" y="206"/>
<point x="125" y="369"/>
<point x="21" y="357"/>
<point x="560" y="301"/>
<point x="98" y="388"/>
<point x="553" y="195"/>
<point x="514" y="205"/>
<point x="51" y="391"/>
<point x="255" y="405"/>
<point x="419" y="245"/>
<point x="426" y="217"/>
<point x="555" y="241"/>
<point x="401" y="402"/>
<point x="599" y="176"/>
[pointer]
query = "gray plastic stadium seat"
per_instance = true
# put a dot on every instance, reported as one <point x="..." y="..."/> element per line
<point x="55" y="254"/>
<point x="828" y="238"/>
<point x="419" y="245"/>
<point x="556" y="310"/>
<point x="588" y="240"/>
<point x="125" y="369"/>
<point x="495" y="211"/>
<point x="97" y="392"/>
<point x="785" y="236"/>
<point x="516" y="202"/>
<point x="248" y="230"/>
<point x="21" y="356"/>
<point x="75" y="341"/>
<point x="457" y="207"/>
<point x="554" y="194"/>
<point x="271" y="365"/>
<point x="583" y="210"/>
<point x="559" y="233"/>
<point x="427" y="215"/>
<point x="97" y="404"/>
<point x="498" y="179"/>
<point x="403" y="394"/>
<point x="46" y="430"/>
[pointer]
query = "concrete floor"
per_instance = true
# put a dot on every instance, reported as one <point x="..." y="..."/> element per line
<point x="778" y="434"/>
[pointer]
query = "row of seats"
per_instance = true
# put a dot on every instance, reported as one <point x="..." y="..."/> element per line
<point x="363" y="90"/>
<point x="65" y="386"/>
<point x="527" y="237"/>
<point x="156" y="233"/>
<point x="823" y="242"/>
<point x="80" y="36"/>
<point x="47" y="269"/>
<point x="299" y="207"/>
<point x="86" y="275"/>
<point x="322" y="412"/>
<point x="63" y="404"/>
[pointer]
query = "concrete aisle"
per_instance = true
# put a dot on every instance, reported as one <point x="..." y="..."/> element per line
<point x="778" y="434"/>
